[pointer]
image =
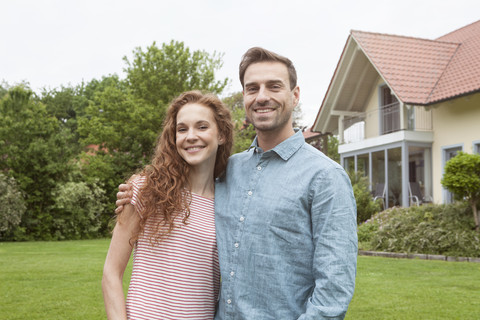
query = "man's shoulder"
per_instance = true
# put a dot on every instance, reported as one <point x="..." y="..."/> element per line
<point x="311" y="156"/>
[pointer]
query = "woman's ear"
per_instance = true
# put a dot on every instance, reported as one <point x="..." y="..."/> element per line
<point x="221" y="140"/>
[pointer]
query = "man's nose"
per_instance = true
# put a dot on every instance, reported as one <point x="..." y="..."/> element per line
<point x="262" y="95"/>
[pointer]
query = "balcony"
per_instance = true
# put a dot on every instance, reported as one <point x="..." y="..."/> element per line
<point x="383" y="121"/>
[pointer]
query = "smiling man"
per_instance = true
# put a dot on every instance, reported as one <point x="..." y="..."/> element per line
<point x="285" y="213"/>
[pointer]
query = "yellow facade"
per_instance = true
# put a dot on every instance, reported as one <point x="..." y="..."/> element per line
<point x="455" y="123"/>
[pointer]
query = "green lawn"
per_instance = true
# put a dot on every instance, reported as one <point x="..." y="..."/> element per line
<point x="61" y="280"/>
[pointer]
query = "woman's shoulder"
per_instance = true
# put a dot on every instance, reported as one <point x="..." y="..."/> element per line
<point x="137" y="183"/>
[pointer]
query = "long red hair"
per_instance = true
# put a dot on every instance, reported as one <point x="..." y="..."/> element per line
<point x="166" y="190"/>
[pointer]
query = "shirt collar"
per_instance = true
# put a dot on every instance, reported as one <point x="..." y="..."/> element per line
<point x="286" y="148"/>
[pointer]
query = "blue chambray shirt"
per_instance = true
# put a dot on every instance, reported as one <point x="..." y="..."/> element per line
<point x="286" y="234"/>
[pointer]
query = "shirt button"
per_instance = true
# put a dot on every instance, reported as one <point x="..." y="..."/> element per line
<point x="236" y="244"/>
<point x="259" y="168"/>
<point x="250" y="193"/>
<point x="232" y="273"/>
<point x="229" y="301"/>
<point x="242" y="218"/>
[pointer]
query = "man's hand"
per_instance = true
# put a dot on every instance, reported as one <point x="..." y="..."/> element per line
<point x="124" y="196"/>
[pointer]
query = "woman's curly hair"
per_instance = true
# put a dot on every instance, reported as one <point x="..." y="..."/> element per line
<point x="166" y="189"/>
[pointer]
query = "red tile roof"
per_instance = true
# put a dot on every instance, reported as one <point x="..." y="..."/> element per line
<point x="308" y="133"/>
<point x="422" y="71"/>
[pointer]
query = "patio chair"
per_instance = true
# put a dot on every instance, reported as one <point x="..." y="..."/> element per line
<point x="379" y="193"/>
<point x="415" y="193"/>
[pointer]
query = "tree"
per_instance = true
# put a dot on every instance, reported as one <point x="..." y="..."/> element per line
<point x="462" y="178"/>
<point x="157" y="75"/>
<point x="67" y="104"/>
<point x="297" y="115"/>
<point x="244" y="133"/>
<point x="34" y="151"/>
<point x="13" y="206"/>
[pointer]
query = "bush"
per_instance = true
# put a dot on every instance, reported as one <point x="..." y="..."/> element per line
<point x="78" y="208"/>
<point x="428" y="229"/>
<point x="13" y="206"/>
<point x="462" y="177"/>
<point x="366" y="207"/>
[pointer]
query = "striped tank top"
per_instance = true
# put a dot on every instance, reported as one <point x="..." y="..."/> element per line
<point x="177" y="278"/>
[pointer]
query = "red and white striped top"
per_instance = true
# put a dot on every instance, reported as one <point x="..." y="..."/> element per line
<point x="177" y="278"/>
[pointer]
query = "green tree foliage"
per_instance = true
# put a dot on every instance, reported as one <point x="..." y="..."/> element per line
<point x="78" y="207"/>
<point x="332" y="148"/>
<point x="462" y="178"/>
<point x="67" y="104"/>
<point x="13" y="206"/>
<point x="157" y="75"/>
<point x="244" y="133"/>
<point x="3" y="89"/>
<point x="36" y="153"/>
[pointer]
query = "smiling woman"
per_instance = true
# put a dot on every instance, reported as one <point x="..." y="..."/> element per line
<point x="170" y="221"/>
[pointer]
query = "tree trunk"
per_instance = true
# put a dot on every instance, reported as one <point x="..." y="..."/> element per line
<point x="475" y="215"/>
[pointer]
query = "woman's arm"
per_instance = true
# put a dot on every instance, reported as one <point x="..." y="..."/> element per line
<point x="116" y="262"/>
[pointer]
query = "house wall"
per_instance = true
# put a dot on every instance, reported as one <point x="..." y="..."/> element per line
<point x="455" y="122"/>
<point x="371" y="112"/>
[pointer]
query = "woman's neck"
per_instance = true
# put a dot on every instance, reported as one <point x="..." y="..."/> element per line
<point x="201" y="183"/>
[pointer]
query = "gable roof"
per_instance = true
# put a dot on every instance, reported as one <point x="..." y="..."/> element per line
<point x="410" y="66"/>
<point x="423" y="71"/>
<point x="418" y="71"/>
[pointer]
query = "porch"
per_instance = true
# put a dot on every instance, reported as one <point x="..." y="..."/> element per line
<point x="395" y="154"/>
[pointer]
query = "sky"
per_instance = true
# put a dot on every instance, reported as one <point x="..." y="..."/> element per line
<point x="53" y="43"/>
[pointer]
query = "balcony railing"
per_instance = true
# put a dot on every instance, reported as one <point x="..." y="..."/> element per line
<point x="385" y="120"/>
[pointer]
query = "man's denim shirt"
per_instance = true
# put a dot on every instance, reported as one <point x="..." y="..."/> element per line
<point x="286" y="234"/>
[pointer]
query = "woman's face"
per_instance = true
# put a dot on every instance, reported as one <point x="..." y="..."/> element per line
<point x="197" y="135"/>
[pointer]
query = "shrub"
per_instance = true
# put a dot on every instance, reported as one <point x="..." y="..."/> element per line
<point x="428" y="229"/>
<point x="13" y="206"/>
<point x="78" y="208"/>
<point x="366" y="207"/>
<point x="462" y="177"/>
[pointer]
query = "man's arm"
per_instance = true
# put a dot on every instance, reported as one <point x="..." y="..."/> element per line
<point x="124" y="196"/>
<point x="334" y="227"/>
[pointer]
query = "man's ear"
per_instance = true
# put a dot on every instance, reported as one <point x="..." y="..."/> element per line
<point x="296" y="95"/>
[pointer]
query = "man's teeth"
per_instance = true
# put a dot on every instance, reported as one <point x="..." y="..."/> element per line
<point x="263" y="110"/>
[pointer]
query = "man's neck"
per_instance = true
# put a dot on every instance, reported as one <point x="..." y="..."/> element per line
<point x="268" y="140"/>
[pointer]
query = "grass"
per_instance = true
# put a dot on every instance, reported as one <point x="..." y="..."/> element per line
<point x="53" y="280"/>
<point x="61" y="280"/>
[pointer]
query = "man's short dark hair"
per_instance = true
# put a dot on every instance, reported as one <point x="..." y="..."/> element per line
<point x="257" y="54"/>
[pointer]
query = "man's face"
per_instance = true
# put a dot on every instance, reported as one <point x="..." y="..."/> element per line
<point x="267" y="97"/>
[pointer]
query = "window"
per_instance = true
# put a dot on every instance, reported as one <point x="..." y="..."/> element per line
<point x="389" y="111"/>
<point x="449" y="153"/>
<point x="476" y="147"/>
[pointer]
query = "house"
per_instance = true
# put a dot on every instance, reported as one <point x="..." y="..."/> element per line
<point x="403" y="106"/>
